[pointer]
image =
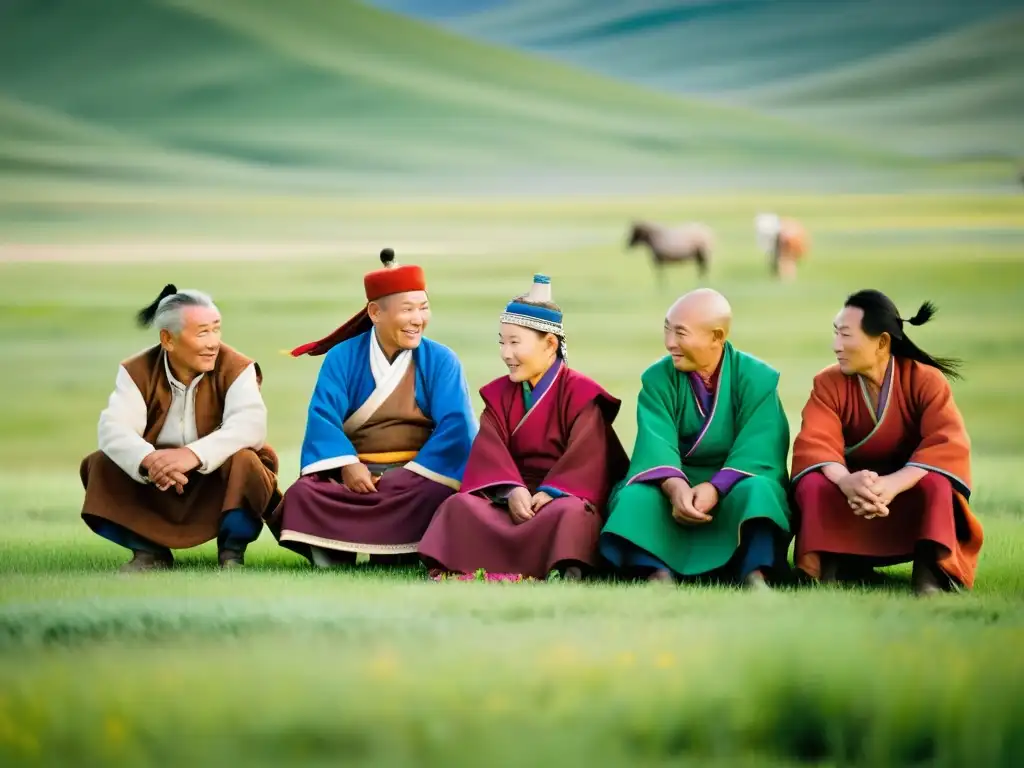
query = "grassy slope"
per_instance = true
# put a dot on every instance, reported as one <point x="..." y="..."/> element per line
<point x="281" y="664"/>
<point x="943" y="74"/>
<point x="343" y="96"/>
<point x="949" y="89"/>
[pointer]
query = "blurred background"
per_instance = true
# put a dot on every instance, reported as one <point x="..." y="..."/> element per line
<point x="266" y="150"/>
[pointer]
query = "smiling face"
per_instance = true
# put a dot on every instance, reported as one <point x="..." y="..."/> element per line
<point x="527" y="353"/>
<point x="695" y="345"/>
<point x="400" y="320"/>
<point x="856" y="351"/>
<point x="194" y="349"/>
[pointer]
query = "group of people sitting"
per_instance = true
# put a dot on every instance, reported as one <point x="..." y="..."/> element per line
<point x="396" y="467"/>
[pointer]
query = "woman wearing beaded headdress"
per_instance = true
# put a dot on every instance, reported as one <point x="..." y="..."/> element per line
<point x="541" y="468"/>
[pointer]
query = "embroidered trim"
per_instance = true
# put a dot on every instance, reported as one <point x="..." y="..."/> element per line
<point x="707" y="423"/>
<point x="639" y="478"/>
<point x="878" y="419"/>
<point x="335" y="462"/>
<point x="733" y="469"/>
<point x="536" y="324"/>
<point x="350" y="546"/>
<point x="381" y="392"/>
<point x="964" y="488"/>
<point x="539" y="400"/>
<point x="478" y="489"/>
<point x="539" y="325"/>
<point x="430" y="474"/>
<point x="811" y="469"/>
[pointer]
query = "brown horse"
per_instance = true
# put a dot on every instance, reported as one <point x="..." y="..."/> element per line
<point x="674" y="245"/>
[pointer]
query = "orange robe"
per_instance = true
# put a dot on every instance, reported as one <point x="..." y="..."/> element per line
<point x="916" y="424"/>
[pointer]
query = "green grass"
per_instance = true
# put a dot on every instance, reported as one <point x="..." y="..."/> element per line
<point x="280" y="663"/>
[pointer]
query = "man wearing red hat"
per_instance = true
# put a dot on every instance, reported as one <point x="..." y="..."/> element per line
<point x="388" y="432"/>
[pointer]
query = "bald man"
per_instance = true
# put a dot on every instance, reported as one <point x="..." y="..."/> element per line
<point x="705" y="495"/>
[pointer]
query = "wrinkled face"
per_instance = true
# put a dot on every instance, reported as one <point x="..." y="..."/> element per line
<point x="692" y="343"/>
<point x="856" y="352"/>
<point x="195" y="349"/>
<point x="526" y="352"/>
<point x="401" y="319"/>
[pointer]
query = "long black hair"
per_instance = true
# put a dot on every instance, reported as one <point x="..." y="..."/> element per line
<point x="881" y="316"/>
<point x="147" y="314"/>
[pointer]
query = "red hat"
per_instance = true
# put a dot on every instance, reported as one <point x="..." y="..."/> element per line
<point x="393" y="279"/>
<point x="377" y="284"/>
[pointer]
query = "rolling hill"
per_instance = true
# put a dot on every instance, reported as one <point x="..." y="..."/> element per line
<point x="257" y="94"/>
<point x="938" y="78"/>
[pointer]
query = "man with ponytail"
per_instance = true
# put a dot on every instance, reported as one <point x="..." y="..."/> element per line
<point x="388" y="432"/>
<point x="881" y="466"/>
<point x="182" y="456"/>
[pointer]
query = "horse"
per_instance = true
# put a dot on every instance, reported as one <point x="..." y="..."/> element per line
<point x="784" y="241"/>
<point x="692" y="242"/>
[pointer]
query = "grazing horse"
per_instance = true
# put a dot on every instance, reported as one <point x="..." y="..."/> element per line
<point x="675" y="245"/>
<point x="784" y="241"/>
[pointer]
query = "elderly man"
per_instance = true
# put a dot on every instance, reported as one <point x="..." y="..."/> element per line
<point x="388" y="432"/>
<point x="705" y="494"/>
<point x="182" y="458"/>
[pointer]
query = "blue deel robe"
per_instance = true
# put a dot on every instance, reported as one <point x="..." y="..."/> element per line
<point x="345" y="382"/>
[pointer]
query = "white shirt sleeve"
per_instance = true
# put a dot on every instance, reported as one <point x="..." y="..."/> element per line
<point x="244" y="424"/>
<point x="121" y="426"/>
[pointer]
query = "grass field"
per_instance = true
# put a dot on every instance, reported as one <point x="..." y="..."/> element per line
<point x="280" y="663"/>
<point x="266" y="151"/>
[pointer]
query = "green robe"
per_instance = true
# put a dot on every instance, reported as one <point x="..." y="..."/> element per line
<point x="748" y="432"/>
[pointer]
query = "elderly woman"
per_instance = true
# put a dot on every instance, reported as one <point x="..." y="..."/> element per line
<point x="881" y="466"/>
<point x="542" y="465"/>
<point x="182" y="458"/>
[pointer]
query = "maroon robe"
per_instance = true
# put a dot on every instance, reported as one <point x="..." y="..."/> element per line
<point x="319" y="511"/>
<point x="564" y="445"/>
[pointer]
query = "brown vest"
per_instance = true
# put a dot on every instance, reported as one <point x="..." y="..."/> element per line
<point x="398" y="425"/>
<point x="147" y="371"/>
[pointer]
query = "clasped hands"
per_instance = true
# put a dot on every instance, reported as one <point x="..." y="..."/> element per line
<point x="690" y="506"/>
<point x="169" y="467"/>
<point x="522" y="506"/>
<point x="868" y="494"/>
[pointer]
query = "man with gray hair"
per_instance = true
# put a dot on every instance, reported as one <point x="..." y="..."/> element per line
<point x="182" y="455"/>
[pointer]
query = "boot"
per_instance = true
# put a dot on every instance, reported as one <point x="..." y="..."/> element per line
<point x="755" y="582"/>
<point x="925" y="580"/>
<point x="573" y="573"/>
<point x="144" y="560"/>
<point x="662" y="576"/>
<point x="829" y="569"/>
<point x="231" y="558"/>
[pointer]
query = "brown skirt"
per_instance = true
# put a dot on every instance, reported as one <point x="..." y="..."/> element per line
<point x="246" y="481"/>
<point x="928" y="512"/>
<point x="469" y="532"/>
<point x="320" y="512"/>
